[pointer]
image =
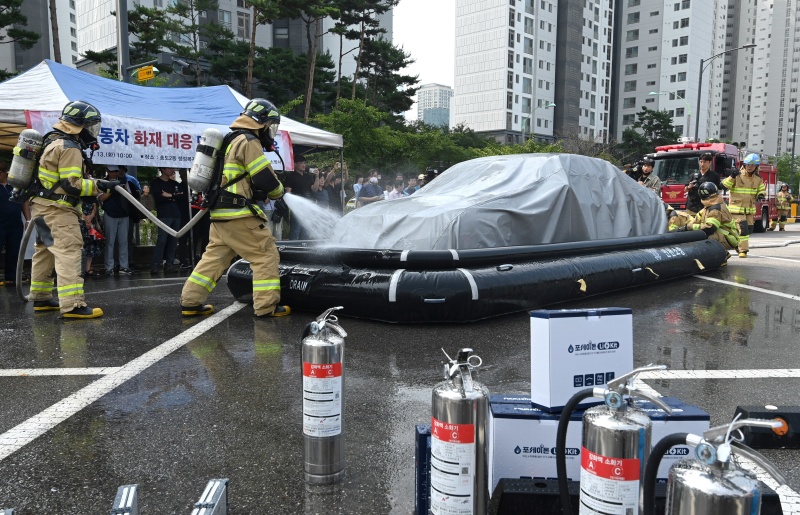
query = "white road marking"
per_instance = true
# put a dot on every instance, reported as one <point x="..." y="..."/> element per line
<point x="91" y="371"/>
<point x="795" y="261"/>
<point x="763" y="373"/>
<point x="92" y="292"/>
<point x="21" y="435"/>
<point x="748" y="287"/>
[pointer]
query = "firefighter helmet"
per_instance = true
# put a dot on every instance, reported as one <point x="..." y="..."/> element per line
<point x="80" y="113"/>
<point x="707" y="189"/>
<point x="262" y="111"/>
<point x="648" y="161"/>
<point x="752" y="159"/>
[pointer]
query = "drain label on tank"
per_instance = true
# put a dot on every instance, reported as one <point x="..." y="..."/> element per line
<point x="609" y="486"/>
<point x="322" y="399"/>
<point x="452" y="468"/>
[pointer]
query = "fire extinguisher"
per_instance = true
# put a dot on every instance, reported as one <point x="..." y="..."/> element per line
<point x="323" y="399"/>
<point x="615" y="448"/>
<point x="711" y="483"/>
<point x="460" y="406"/>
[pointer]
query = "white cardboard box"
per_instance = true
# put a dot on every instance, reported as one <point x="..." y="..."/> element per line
<point x="522" y="441"/>
<point x="522" y="438"/>
<point x="574" y="349"/>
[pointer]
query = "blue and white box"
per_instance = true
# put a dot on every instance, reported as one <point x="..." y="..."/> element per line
<point x="522" y="437"/>
<point x="685" y="418"/>
<point x="574" y="349"/>
<point x="522" y="441"/>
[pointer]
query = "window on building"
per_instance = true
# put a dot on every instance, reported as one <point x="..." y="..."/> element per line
<point x="679" y="111"/>
<point x="682" y="77"/>
<point x="225" y="19"/>
<point x="632" y="52"/>
<point x="684" y="40"/>
<point x="243" y="25"/>
<point x="281" y="33"/>
<point x="633" y="3"/>
<point x="651" y="66"/>
<point x="73" y="32"/>
<point x="631" y="69"/>
<point x="674" y="42"/>
<point x="528" y="25"/>
<point x="527" y="65"/>
<point x="632" y="35"/>
<point x="633" y="18"/>
<point x="672" y="78"/>
<point x="675" y="25"/>
<point x="685" y="4"/>
<point x="654" y="13"/>
<point x="511" y="16"/>
<point x="652" y="48"/>
<point x="72" y="17"/>
<point x="74" y="46"/>
<point x="684" y="22"/>
<point x="683" y="58"/>
<point x="510" y="38"/>
<point x="72" y="4"/>
<point x="653" y="31"/>
<point x="629" y="102"/>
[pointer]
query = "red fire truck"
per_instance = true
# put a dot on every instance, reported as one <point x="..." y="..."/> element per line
<point x="675" y="164"/>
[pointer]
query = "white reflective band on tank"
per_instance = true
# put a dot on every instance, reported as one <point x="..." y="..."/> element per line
<point x="404" y="255"/>
<point x="454" y="252"/>
<point x="472" y="284"/>
<point x="393" y="283"/>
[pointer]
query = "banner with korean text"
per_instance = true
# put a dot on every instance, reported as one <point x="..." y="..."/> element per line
<point x="143" y="142"/>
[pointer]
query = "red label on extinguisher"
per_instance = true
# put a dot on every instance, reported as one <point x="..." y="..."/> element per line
<point x="452" y="468"/>
<point x="609" y="485"/>
<point x="322" y="399"/>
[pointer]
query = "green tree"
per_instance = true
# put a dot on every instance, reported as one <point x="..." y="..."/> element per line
<point x="151" y="28"/>
<point x="785" y="170"/>
<point x="651" y="129"/>
<point x="11" y="19"/>
<point x="187" y="32"/>
<point x="384" y="84"/>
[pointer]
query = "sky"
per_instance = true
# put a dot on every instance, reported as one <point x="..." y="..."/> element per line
<point x="426" y="30"/>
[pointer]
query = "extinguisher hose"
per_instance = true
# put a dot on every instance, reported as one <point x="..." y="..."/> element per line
<point x="651" y="470"/>
<point x="561" y="445"/>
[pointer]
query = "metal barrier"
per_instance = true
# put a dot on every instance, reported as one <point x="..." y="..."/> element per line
<point x="127" y="501"/>
<point x="214" y="500"/>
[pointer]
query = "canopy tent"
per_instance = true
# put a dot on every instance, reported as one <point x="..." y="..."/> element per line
<point x="49" y="86"/>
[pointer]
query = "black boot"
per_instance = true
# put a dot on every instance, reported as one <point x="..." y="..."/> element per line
<point x="46" y="305"/>
<point x="82" y="312"/>
<point x="190" y="311"/>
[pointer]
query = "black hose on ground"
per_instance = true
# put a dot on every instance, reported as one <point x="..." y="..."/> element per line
<point x="561" y="444"/>
<point x="651" y="469"/>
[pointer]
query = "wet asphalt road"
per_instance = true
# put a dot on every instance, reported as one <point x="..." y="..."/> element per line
<point x="227" y="404"/>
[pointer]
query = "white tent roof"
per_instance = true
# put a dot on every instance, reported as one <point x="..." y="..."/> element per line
<point x="49" y="86"/>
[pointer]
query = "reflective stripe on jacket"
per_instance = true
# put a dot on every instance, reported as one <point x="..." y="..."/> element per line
<point x="744" y="190"/>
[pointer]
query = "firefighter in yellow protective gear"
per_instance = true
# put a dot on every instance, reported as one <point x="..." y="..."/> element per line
<point x="60" y="184"/>
<point x="714" y="219"/>
<point x="676" y="218"/>
<point x="746" y="187"/>
<point x="782" y="201"/>
<point x="238" y="225"/>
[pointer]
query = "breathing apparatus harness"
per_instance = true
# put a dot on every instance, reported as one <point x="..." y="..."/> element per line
<point x="217" y="195"/>
<point x="36" y="188"/>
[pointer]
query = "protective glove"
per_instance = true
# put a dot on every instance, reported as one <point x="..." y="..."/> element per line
<point x="761" y="198"/>
<point x="106" y="186"/>
<point x="281" y="210"/>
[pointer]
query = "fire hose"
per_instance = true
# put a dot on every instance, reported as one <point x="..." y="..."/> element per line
<point x="122" y="191"/>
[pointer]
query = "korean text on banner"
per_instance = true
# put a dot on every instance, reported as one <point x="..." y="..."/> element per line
<point x="144" y="142"/>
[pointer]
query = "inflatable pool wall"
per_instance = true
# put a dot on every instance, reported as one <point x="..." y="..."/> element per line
<point x="471" y="285"/>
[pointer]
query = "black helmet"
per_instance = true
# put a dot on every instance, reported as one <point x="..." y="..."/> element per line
<point x="707" y="189"/>
<point x="262" y="111"/>
<point x="648" y="161"/>
<point x="80" y="113"/>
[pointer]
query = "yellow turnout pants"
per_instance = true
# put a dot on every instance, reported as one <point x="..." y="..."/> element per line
<point x="64" y="257"/>
<point x="250" y="238"/>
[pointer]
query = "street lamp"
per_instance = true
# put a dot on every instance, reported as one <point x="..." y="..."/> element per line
<point x="700" y="84"/>
<point x="688" y="107"/>
<point x="794" y="137"/>
<point x="530" y="118"/>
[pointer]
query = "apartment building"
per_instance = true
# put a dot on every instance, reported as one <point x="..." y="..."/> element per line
<point x="433" y="104"/>
<point x="764" y="92"/>
<point x="657" y="62"/>
<point x="583" y="69"/>
<point x="14" y="59"/>
<point x="505" y="56"/>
